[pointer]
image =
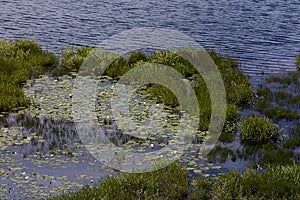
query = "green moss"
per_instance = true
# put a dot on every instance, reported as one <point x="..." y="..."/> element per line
<point x="168" y="183"/>
<point x="258" y="130"/>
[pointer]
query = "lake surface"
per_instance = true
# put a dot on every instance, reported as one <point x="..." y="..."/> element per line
<point x="263" y="35"/>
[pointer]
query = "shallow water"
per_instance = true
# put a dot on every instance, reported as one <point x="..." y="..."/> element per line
<point x="263" y="35"/>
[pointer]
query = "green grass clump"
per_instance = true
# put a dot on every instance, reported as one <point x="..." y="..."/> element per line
<point x="202" y="188"/>
<point x="168" y="183"/>
<point x="136" y="57"/>
<point x="258" y="130"/>
<point x="19" y="61"/>
<point x="281" y="113"/>
<point x="232" y="116"/>
<point x="292" y="143"/>
<point x="227" y="137"/>
<point x="277" y="182"/>
<point x="278" y="157"/>
<point x="73" y="57"/>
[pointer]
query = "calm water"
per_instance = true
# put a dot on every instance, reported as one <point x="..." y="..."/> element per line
<point x="264" y="35"/>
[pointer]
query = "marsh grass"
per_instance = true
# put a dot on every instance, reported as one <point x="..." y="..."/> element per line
<point x="171" y="182"/>
<point x="278" y="97"/>
<point x="277" y="157"/>
<point x="73" y="57"/>
<point x="227" y="137"/>
<point x="277" y="182"/>
<point x="19" y="61"/>
<point x="292" y="142"/>
<point x="281" y="113"/>
<point x="258" y="130"/>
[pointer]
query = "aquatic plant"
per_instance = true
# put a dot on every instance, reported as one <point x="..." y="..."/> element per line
<point x="232" y="116"/>
<point x="258" y="130"/>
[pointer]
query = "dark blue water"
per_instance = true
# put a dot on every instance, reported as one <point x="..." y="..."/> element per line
<point x="263" y="35"/>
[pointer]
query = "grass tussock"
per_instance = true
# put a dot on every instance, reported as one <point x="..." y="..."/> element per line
<point x="258" y="130"/>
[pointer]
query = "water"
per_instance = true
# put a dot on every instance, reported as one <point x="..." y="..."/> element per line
<point x="263" y="35"/>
